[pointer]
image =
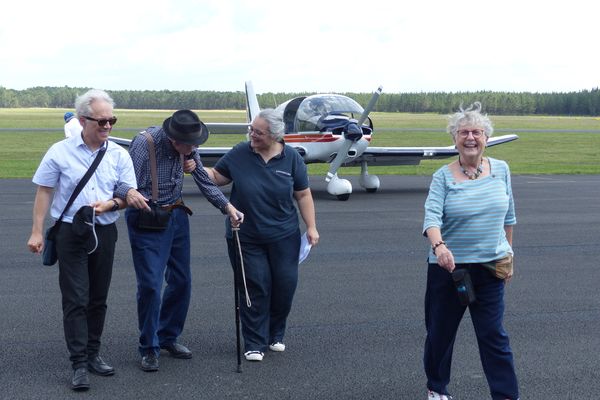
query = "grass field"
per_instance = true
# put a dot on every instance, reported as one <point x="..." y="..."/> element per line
<point x="568" y="152"/>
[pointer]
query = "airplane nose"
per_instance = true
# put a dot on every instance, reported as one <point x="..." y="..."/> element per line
<point x="353" y="132"/>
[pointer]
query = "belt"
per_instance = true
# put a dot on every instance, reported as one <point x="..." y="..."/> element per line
<point x="178" y="204"/>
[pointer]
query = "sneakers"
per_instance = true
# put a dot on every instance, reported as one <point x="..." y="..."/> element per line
<point x="431" y="395"/>
<point x="254" y="355"/>
<point x="277" y="346"/>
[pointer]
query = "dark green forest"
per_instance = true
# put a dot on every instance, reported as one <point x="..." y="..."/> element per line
<point x="582" y="103"/>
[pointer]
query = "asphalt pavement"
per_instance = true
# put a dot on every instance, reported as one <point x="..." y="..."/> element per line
<point x="356" y="329"/>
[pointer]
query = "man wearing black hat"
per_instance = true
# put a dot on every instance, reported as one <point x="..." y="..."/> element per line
<point x="164" y="253"/>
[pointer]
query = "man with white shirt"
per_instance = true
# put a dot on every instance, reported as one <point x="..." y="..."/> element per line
<point x="84" y="273"/>
<point x="72" y="125"/>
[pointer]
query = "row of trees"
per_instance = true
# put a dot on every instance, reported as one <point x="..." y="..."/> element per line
<point x="585" y="102"/>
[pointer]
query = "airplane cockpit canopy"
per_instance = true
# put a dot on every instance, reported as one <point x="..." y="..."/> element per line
<point x="305" y="114"/>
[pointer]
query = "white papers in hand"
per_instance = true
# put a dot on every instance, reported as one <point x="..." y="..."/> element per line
<point x="304" y="248"/>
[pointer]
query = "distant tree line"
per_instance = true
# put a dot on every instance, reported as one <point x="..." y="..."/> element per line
<point x="585" y="102"/>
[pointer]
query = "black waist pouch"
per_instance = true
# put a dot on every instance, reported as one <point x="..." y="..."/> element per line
<point x="464" y="286"/>
<point x="157" y="219"/>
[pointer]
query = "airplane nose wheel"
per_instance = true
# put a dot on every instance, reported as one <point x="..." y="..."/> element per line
<point x="343" y="197"/>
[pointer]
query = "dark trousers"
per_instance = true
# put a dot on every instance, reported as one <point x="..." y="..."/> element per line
<point x="443" y="314"/>
<point x="271" y="276"/>
<point x="84" y="281"/>
<point x="160" y="256"/>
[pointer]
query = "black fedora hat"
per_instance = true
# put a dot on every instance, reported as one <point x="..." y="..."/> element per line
<point x="184" y="126"/>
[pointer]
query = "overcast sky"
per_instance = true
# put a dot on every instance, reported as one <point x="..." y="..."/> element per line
<point x="310" y="45"/>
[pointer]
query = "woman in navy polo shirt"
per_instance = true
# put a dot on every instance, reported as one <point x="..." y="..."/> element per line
<point x="267" y="176"/>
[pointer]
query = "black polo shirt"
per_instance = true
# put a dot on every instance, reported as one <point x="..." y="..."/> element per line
<point x="264" y="191"/>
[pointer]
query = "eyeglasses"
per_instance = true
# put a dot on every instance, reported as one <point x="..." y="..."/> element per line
<point x="463" y="133"/>
<point x="257" y="132"/>
<point x="102" y="122"/>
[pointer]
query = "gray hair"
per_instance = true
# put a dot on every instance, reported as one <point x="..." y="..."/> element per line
<point x="471" y="116"/>
<point x="83" y="103"/>
<point x="276" y="125"/>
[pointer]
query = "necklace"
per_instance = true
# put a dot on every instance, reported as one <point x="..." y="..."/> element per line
<point x="469" y="174"/>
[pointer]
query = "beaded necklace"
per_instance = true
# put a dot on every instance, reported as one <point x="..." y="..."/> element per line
<point x="469" y="174"/>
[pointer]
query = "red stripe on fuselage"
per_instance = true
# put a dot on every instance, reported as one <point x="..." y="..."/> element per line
<point x="315" y="138"/>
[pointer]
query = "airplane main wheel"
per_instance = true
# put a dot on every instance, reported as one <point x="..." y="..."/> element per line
<point x="371" y="190"/>
<point x="343" y="197"/>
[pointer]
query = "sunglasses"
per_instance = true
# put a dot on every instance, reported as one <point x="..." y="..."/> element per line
<point x="102" y="122"/>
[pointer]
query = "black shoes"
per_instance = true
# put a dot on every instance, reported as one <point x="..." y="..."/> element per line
<point x="96" y="365"/>
<point x="177" y="350"/>
<point x="149" y="363"/>
<point x="150" y="360"/>
<point x="80" y="381"/>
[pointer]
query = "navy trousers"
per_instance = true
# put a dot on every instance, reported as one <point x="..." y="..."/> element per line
<point x="161" y="256"/>
<point x="271" y="276"/>
<point x="84" y="281"/>
<point x="443" y="314"/>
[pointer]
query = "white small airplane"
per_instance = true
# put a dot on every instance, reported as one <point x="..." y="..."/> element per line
<point x="334" y="129"/>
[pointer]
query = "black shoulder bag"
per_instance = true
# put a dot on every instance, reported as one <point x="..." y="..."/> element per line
<point x="49" y="254"/>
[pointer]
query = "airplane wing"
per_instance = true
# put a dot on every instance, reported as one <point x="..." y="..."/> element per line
<point x="231" y="128"/>
<point x="208" y="155"/>
<point x="414" y="155"/>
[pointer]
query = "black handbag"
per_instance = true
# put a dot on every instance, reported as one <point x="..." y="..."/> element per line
<point x="49" y="253"/>
<point x="464" y="286"/>
<point x="157" y="219"/>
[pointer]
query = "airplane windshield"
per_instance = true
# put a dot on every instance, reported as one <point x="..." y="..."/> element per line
<point x="314" y="108"/>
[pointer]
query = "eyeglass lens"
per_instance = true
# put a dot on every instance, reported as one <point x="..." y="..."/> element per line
<point x="251" y="129"/>
<point x="475" y="132"/>
<point x="102" y="122"/>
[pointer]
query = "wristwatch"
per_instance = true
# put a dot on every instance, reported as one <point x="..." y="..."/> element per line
<point x="115" y="206"/>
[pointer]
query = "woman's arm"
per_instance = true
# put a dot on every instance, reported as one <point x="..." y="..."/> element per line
<point x="444" y="255"/>
<point x="216" y="177"/>
<point x="509" y="233"/>
<point x="307" y="211"/>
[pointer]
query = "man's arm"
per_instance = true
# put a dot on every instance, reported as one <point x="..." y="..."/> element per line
<point x="41" y="205"/>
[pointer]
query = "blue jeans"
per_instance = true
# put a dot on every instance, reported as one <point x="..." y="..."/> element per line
<point x="272" y="276"/>
<point x="159" y="255"/>
<point x="443" y="314"/>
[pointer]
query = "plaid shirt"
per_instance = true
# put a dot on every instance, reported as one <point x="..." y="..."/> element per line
<point x="169" y="171"/>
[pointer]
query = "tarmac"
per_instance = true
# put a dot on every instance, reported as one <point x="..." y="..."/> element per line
<point x="356" y="329"/>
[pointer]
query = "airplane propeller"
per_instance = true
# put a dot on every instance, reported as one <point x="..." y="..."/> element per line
<point x="370" y="106"/>
<point x="353" y="132"/>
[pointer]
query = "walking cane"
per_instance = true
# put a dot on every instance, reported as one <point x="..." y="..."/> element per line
<point x="239" y="267"/>
<point x="236" y="279"/>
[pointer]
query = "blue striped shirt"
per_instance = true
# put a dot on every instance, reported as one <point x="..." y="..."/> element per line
<point x="169" y="171"/>
<point x="472" y="214"/>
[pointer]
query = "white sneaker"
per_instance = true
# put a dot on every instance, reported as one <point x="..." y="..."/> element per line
<point x="278" y="346"/>
<point x="431" y="395"/>
<point x="254" y="355"/>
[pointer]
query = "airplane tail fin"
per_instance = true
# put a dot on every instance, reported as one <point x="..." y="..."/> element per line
<point x="252" y="107"/>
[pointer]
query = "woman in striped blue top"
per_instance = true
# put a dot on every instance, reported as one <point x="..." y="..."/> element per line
<point x="469" y="215"/>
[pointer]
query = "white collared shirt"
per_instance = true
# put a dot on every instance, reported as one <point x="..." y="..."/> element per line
<point x="67" y="161"/>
